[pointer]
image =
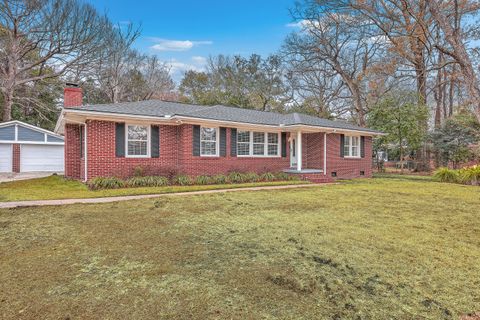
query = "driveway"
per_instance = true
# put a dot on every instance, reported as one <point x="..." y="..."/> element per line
<point x="9" y="176"/>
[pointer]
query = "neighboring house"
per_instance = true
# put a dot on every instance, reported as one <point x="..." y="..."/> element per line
<point x="161" y="136"/>
<point x="26" y="148"/>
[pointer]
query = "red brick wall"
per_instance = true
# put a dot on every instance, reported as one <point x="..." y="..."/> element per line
<point x="73" y="162"/>
<point x="16" y="158"/>
<point x="344" y="167"/>
<point x="176" y="155"/>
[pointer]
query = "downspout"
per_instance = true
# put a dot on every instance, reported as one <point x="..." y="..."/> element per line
<point x="85" y="151"/>
<point x="324" y="153"/>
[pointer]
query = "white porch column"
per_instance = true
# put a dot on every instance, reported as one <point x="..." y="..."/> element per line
<point x="299" y="151"/>
<point x="324" y="153"/>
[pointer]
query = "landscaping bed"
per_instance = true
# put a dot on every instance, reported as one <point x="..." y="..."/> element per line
<point x="57" y="187"/>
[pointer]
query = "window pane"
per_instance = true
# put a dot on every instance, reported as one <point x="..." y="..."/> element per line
<point x="258" y="137"/>
<point x="137" y="133"/>
<point x="355" y="151"/>
<point x="209" y="134"/>
<point x="208" y="148"/>
<point x="243" y="149"/>
<point x="243" y="136"/>
<point x="272" y="149"/>
<point x="137" y="148"/>
<point x="346" y="148"/>
<point x="258" y="149"/>
<point x="272" y="138"/>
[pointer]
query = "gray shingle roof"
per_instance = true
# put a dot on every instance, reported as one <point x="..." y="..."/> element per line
<point x="159" y="108"/>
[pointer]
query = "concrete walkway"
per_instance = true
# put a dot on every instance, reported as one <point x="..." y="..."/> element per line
<point x="33" y="203"/>
<point x="11" y="176"/>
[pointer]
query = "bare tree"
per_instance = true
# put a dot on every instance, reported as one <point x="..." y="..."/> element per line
<point x="44" y="39"/>
<point x="448" y="15"/>
<point x="338" y="42"/>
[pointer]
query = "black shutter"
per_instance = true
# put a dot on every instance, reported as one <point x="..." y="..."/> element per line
<point x="196" y="140"/>
<point x="362" y="146"/>
<point x="223" y="142"/>
<point x="120" y="139"/>
<point x="342" y="145"/>
<point x="284" y="144"/>
<point x="81" y="141"/>
<point x="155" y="142"/>
<point x="233" y="142"/>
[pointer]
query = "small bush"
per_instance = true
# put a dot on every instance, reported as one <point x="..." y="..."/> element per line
<point x="219" y="179"/>
<point x="203" y="180"/>
<point x="470" y="175"/>
<point x="267" y="176"/>
<point x="283" y="176"/>
<point x="99" y="183"/>
<point x="149" y="181"/>
<point x="138" y="171"/>
<point x="183" y="180"/>
<point x="446" y="175"/>
<point x="236" y="177"/>
<point x="251" y="177"/>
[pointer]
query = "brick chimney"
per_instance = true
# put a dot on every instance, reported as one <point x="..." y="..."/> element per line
<point x="72" y="96"/>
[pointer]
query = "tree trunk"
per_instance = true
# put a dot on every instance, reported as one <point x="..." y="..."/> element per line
<point x="7" y="105"/>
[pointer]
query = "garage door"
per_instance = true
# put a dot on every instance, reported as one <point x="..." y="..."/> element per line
<point x="5" y="157"/>
<point x="41" y="158"/>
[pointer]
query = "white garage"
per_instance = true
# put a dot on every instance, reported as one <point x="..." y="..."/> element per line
<point x="26" y="148"/>
<point x="6" y="155"/>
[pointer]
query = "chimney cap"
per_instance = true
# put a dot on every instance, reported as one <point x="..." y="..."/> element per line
<point x="72" y="84"/>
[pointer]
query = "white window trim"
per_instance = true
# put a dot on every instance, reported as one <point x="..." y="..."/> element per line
<point x="350" y="147"/>
<point x="148" y="140"/>
<point x="265" y="144"/>
<point x="217" y="142"/>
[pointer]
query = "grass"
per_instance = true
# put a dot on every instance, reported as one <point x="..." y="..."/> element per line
<point x="56" y="187"/>
<point x="367" y="249"/>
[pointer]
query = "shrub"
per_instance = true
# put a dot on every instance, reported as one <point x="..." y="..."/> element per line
<point x="202" y="180"/>
<point x="251" y="177"/>
<point x="267" y="176"/>
<point x="470" y="175"/>
<point x="283" y="176"/>
<point x="105" y="183"/>
<point x="149" y="181"/>
<point x="182" y="180"/>
<point x="219" y="179"/>
<point x="446" y="175"/>
<point x="236" y="177"/>
<point x="138" y="171"/>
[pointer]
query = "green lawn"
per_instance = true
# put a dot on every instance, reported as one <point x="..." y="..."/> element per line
<point x="384" y="248"/>
<point x="56" y="187"/>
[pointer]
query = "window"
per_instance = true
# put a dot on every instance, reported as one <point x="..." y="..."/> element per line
<point x="258" y="144"/>
<point x="272" y="144"/>
<point x="137" y="141"/>
<point x="243" y="143"/>
<point x="351" y="147"/>
<point x="208" y="141"/>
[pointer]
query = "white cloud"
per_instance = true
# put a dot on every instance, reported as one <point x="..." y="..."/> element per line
<point x="199" y="60"/>
<point x="301" y="24"/>
<point x="178" y="68"/>
<point x="176" y="45"/>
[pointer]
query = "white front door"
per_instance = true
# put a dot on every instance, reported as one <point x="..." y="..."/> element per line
<point x="41" y="158"/>
<point x="293" y="152"/>
<point x="6" y="157"/>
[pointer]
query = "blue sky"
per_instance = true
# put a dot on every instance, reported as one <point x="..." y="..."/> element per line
<point x="186" y="32"/>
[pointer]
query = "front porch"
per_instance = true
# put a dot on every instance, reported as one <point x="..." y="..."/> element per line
<point x="308" y="156"/>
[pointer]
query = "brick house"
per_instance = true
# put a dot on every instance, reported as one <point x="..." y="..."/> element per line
<point x="161" y="136"/>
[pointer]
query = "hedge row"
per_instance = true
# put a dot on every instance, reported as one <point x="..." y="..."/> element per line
<point x="184" y="180"/>
<point x="469" y="175"/>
